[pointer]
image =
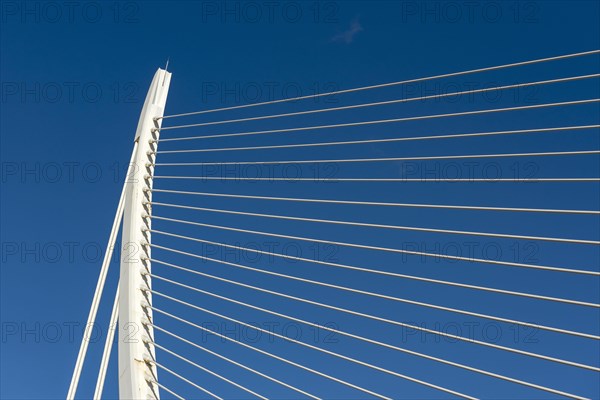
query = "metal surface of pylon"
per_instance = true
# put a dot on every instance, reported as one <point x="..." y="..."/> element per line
<point x="137" y="372"/>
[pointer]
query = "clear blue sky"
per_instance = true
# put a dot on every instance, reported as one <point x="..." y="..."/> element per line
<point x="74" y="76"/>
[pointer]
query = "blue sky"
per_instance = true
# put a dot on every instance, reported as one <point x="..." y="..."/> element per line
<point x="74" y="76"/>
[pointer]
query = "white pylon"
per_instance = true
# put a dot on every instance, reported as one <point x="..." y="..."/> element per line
<point x="137" y="371"/>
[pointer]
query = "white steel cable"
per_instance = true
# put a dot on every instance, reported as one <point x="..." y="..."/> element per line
<point x="266" y="353"/>
<point x="397" y="101"/>
<point x="166" y="389"/>
<point x="383" y="226"/>
<point x="370" y="141"/>
<point x="447" y="75"/>
<point x="403" y="276"/>
<point x="222" y="357"/>
<point x="110" y="335"/>
<point x="424" y="180"/>
<point x="338" y="355"/>
<point x="387" y="249"/>
<point x="352" y="160"/>
<point x="361" y="338"/>
<point x="363" y="292"/>
<point x="377" y="203"/>
<point x="208" y="392"/>
<point x="380" y="121"/>
<point x="200" y="367"/>
<point x="348" y="289"/>
<point x="100" y="284"/>
<point x="567" y="179"/>
<point x="374" y="317"/>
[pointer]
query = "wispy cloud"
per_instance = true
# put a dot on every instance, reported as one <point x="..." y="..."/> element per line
<point x="348" y="35"/>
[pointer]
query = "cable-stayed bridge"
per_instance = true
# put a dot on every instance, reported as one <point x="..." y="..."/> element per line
<point x="430" y="244"/>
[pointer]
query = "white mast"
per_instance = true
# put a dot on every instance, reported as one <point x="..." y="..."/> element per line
<point x="136" y="369"/>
